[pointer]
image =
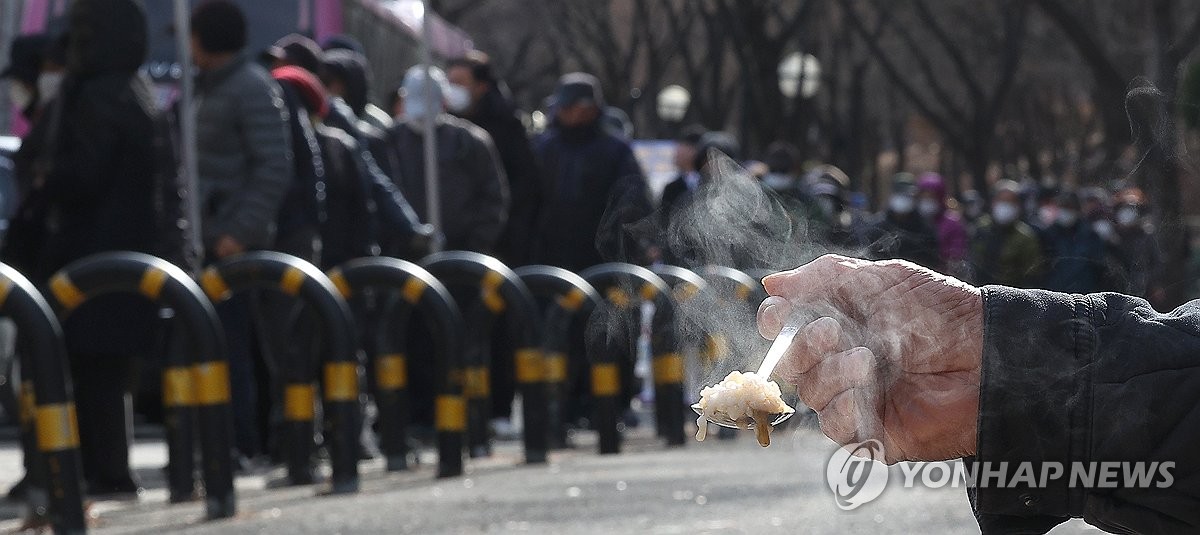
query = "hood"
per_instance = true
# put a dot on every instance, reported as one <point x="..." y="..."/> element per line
<point x="351" y="68"/>
<point x="106" y="36"/>
<point x="935" y="183"/>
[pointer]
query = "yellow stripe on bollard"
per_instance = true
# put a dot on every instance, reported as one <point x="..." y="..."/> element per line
<point x="57" y="427"/>
<point x="5" y="288"/>
<point x="391" y="372"/>
<point x="685" y="291"/>
<point x="572" y="300"/>
<point x="339" y="281"/>
<point x="178" y="388"/>
<point x="649" y="292"/>
<point x="298" y="402"/>
<point x="606" y="380"/>
<point x="341" y="381"/>
<point x="450" y="414"/>
<point x="742" y="293"/>
<point x="715" y="348"/>
<point x="476" y="383"/>
<point x="211" y="382"/>
<point x="152" y="283"/>
<point x="292" y="280"/>
<point x="27" y="402"/>
<point x="618" y="298"/>
<point x="214" y="286"/>
<point x="668" y="369"/>
<point x="556" y="368"/>
<point x="531" y="367"/>
<point x="65" y="291"/>
<point x="489" y="292"/>
<point x="413" y="289"/>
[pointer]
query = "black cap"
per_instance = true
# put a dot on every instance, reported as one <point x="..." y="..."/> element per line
<point x="344" y="42"/>
<point x="578" y="88"/>
<point x="25" y="58"/>
<point x="298" y="50"/>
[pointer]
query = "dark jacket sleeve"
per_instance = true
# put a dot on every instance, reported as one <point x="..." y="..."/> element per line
<point x="489" y="210"/>
<point x="267" y="146"/>
<point x="619" y="237"/>
<point x="1081" y="379"/>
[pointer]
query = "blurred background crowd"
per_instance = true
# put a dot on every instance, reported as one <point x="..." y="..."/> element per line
<point x="315" y="143"/>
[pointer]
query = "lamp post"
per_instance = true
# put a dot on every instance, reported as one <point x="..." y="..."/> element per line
<point x="672" y="104"/>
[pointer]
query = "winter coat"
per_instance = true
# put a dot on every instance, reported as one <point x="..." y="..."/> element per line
<point x="592" y="192"/>
<point x="1087" y="379"/>
<point x="908" y="239"/>
<point x="497" y="116"/>
<point x="1006" y="254"/>
<point x="101" y="182"/>
<point x="472" y="186"/>
<point x="1076" y="262"/>
<point x="243" y="143"/>
<point x="303" y="207"/>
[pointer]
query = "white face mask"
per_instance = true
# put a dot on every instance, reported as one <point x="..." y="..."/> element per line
<point x="1067" y="218"/>
<point x="901" y="204"/>
<point x="458" y="98"/>
<point x="20" y="95"/>
<point x="1127" y="216"/>
<point x="1047" y="215"/>
<point x="48" y="84"/>
<point x="929" y="208"/>
<point x="1005" y="213"/>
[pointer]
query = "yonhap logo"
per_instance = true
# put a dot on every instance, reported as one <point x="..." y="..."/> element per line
<point x="856" y="474"/>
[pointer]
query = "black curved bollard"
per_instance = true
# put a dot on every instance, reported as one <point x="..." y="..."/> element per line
<point x="50" y="409"/>
<point x="736" y="284"/>
<point x="339" y="367"/>
<point x="195" y="388"/>
<point x="417" y="288"/>
<point x="619" y="283"/>
<point x="570" y="297"/>
<point x="500" y="290"/>
<point x="693" y="301"/>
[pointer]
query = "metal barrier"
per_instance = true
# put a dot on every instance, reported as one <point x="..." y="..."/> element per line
<point x="740" y="285"/>
<point x="500" y="290"/>
<point x="49" y="432"/>
<point x="339" y="385"/>
<point x="569" y="297"/>
<point x="417" y="288"/>
<point x="195" y="388"/>
<point x="619" y="283"/>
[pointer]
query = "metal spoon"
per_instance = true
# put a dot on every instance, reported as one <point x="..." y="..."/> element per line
<point x="778" y="348"/>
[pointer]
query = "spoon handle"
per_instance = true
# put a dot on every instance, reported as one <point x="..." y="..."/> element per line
<point x="780" y="345"/>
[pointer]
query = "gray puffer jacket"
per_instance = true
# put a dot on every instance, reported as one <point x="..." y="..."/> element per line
<point x="244" y="153"/>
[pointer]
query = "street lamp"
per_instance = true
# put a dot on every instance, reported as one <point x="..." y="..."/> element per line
<point x="799" y="74"/>
<point x="672" y="104"/>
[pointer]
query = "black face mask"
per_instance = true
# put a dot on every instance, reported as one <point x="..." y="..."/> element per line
<point x="579" y="133"/>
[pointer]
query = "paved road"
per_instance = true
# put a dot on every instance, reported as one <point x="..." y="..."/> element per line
<point x="717" y="487"/>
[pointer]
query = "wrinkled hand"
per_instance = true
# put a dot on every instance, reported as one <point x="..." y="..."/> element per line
<point x="892" y="352"/>
<point x="228" y="246"/>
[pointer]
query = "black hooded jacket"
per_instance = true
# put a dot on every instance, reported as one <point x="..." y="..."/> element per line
<point x="101" y="183"/>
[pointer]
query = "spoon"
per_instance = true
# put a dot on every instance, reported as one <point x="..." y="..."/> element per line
<point x="778" y="348"/>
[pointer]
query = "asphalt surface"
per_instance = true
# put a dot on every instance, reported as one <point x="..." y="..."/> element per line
<point x="715" y="487"/>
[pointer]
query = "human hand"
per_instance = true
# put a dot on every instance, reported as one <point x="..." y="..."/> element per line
<point x="894" y="353"/>
<point x="228" y="246"/>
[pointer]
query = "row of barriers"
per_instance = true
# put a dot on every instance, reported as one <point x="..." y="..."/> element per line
<point x="461" y="295"/>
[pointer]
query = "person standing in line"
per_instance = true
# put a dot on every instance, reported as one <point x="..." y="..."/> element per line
<point x="245" y="170"/>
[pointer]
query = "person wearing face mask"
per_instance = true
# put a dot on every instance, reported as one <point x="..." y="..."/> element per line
<point x="474" y="193"/>
<point x="478" y="95"/>
<point x="1006" y="250"/>
<point x="900" y="232"/>
<point x="951" y="233"/>
<point x="1076" y="259"/>
<point x="1137" y="248"/>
